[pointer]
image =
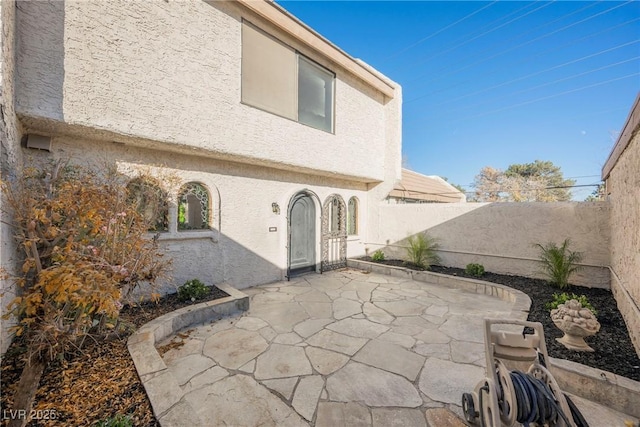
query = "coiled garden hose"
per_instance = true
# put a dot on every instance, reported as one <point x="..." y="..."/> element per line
<point x="535" y="403"/>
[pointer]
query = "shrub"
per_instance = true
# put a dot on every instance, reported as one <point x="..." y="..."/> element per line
<point x="474" y="269"/>
<point x="84" y="249"/>
<point x="422" y="251"/>
<point x="377" y="256"/>
<point x="117" y="421"/>
<point x="564" y="297"/>
<point x="559" y="262"/>
<point x="192" y="290"/>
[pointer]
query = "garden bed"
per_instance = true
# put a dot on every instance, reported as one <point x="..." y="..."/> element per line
<point x="98" y="382"/>
<point x="614" y="351"/>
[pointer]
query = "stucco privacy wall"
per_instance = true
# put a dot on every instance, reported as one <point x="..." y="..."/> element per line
<point x="170" y="72"/>
<point x="9" y="155"/>
<point x="501" y="236"/>
<point x="623" y="188"/>
<point x="240" y="251"/>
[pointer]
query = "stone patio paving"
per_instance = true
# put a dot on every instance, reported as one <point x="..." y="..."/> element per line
<point x="339" y="349"/>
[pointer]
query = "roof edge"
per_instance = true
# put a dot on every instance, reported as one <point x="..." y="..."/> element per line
<point x="629" y="129"/>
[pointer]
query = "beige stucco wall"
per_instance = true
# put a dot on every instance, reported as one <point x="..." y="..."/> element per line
<point x="501" y="236"/>
<point x="9" y="156"/>
<point x="240" y="250"/>
<point x="623" y="186"/>
<point x="169" y="72"/>
<point x="155" y="85"/>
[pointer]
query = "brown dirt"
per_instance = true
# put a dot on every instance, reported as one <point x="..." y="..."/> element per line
<point x="96" y="383"/>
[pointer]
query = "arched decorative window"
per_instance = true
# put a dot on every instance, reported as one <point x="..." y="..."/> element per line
<point x="151" y="201"/>
<point x="194" y="208"/>
<point x="334" y="215"/>
<point x="352" y="217"/>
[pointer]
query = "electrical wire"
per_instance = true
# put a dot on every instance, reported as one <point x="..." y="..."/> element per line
<point x="544" y="98"/>
<point x="487" y="58"/>
<point x="401" y="51"/>
<point x="525" y="60"/>
<point x="467" y="41"/>
<point x="555" y="67"/>
<point x="475" y="106"/>
<point x="502" y="190"/>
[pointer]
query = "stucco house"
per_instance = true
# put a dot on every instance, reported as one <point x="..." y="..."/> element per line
<point x="284" y="145"/>
<point x="287" y="150"/>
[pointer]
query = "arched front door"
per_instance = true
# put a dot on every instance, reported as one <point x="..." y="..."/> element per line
<point x="302" y="235"/>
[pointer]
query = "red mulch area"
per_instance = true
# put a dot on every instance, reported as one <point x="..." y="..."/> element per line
<point x="96" y="383"/>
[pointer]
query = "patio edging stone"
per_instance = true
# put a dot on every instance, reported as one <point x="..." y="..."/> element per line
<point x="161" y="387"/>
<point x="617" y="392"/>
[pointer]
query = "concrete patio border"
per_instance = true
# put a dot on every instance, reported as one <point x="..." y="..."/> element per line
<point x="614" y="391"/>
<point x="163" y="390"/>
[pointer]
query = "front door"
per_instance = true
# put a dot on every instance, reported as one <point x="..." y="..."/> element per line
<point x="302" y="235"/>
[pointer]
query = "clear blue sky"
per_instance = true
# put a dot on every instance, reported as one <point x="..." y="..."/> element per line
<point x="496" y="83"/>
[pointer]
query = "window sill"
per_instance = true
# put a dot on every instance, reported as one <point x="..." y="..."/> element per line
<point x="187" y="235"/>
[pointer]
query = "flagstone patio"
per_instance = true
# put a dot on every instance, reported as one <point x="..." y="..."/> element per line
<point x="345" y="348"/>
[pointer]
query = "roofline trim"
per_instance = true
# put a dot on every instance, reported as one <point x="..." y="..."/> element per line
<point x="629" y="129"/>
<point x="288" y="23"/>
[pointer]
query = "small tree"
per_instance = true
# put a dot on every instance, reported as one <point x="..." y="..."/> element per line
<point x="85" y="249"/>
<point x="540" y="181"/>
<point x="422" y="251"/>
<point x="558" y="262"/>
<point x="598" y="194"/>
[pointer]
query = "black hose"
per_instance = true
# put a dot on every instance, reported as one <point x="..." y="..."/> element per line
<point x="576" y="414"/>
<point x="535" y="402"/>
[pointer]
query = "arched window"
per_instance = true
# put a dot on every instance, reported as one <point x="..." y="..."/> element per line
<point x="151" y="201"/>
<point x="194" y="207"/>
<point x="352" y="217"/>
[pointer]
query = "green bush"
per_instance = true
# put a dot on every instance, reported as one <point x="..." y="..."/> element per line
<point x="475" y="269"/>
<point x="421" y="251"/>
<point x="117" y="421"/>
<point x="559" y="262"/>
<point x="564" y="297"/>
<point x="377" y="256"/>
<point x="192" y="290"/>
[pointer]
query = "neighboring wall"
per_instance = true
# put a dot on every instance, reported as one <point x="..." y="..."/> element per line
<point x="9" y="155"/>
<point x="622" y="175"/>
<point x="501" y="236"/>
<point x="170" y="72"/>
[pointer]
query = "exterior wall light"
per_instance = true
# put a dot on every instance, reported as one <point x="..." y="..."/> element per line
<point x="275" y="208"/>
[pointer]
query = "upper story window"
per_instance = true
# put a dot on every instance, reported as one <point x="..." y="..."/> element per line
<point x="151" y="202"/>
<point x="278" y="79"/>
<point x="193" y="207"/>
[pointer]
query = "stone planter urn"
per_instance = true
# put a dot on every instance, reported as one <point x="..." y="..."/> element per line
<point x="577" y="323"/>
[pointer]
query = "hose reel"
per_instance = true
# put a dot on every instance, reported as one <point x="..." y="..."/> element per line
<point x="514" y="397"/>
